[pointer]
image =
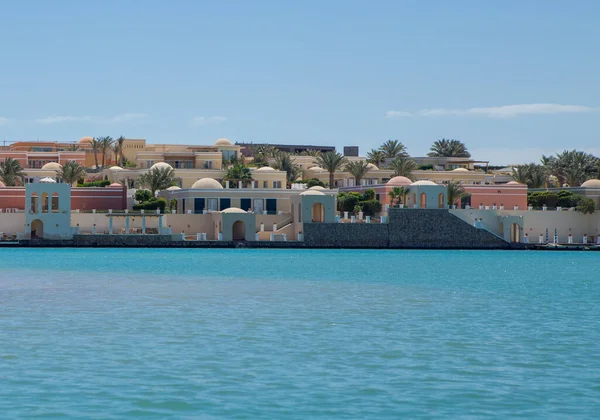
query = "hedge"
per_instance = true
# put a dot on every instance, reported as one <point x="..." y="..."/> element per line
<point x="152" y="204"/>
<point x="101" y="183"/>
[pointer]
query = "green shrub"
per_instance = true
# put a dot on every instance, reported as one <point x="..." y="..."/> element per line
<point x="586" y="205"/>
<point x="152" y="204"/>
<point x="369" y="194"/>
<point x="312" y="182"/>
<point x="100" y="183"/>
<point x="142" y="195"/>
<point x="348" y="201"/>
<point x="370" y="207"/>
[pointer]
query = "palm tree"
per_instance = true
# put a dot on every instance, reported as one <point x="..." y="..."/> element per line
<point x="311" y="152"/>
<point x="331" y="162"/>
<point x="376" y="157"/>
<point x="71" y="172"/>
<point x="158" y="179"/>
<point x="392" y="149"/>
<point x="11" y="172"/>
<point x="73" y="148"/>
<point x="117" y="151"/>
<point x="403" y="166"/>
<point x="284" y="162"/>
<point x="448" y="148"/>
<point x="398" y="195"/>
<point x="571" y="167"/>
<point x="238" y="172"/>
<point x="105" y="146"/>
<point x="95" y="145"/>
<point x="519" y="174"/>
<point x="537" y="176"/>
<point x="358" y="169"/>
<point x="455" y="191"/>
<point x="120" y="141"/>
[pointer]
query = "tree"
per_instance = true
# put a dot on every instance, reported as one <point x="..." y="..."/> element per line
<point x="95" y="145"/>
<point x="403" y="166"/>
<point x="314" y="182"/>
<point x="238" y="172"/>
<point x="120" y="141"/>
<point x="448" y="148"/>
<point x="311" y="152"/>
<point x="392" y="149"/>
<point x="283" y="162"/>
<point x="331" y="162"/>
<point x="519" y="174"/>
<point x="398" y="195"/>
<point x="376" y="157"/>
<point x="71" y="172"/>
<point x="571" y="167"/>
<point x="158" y="179"/>
<point x="142" y="195"/>
<point x="73" y="147"/>
<point x="105" y="145"/>
<point x="455" y="192"/>
<point x="358" y="169"/>
<point x="11" y="172"/>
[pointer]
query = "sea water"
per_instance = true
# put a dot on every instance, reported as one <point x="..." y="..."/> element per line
<point x="298" y="334"/>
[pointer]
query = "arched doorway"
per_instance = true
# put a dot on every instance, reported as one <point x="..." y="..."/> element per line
<point x="441" y="201"/>
<point x="318" y="213"/>
<point x="423" y="200"/>
<point x="239" y="231"/>
<point x="37" y="229"/>
<point x="515" y="233"/>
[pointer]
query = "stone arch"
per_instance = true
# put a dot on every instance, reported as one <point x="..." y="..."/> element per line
<point x="45" y="202"/>
<point x="37" y="229"/>
<point x="423" y="201"/>
<point x="238" y="231"/>
<point x="441" y="203"/>
<point x="318" y="213"/>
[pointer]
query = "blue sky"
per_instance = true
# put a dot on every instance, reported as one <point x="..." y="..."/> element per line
<point x="512" y="79"/>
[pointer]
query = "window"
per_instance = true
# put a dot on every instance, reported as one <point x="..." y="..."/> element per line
<point x="276" y="184"/>
<point x="228" y="154"/>
<point x="213" y="204"/>
<point x="208" y="164"/>
<point x="265" y="184"/>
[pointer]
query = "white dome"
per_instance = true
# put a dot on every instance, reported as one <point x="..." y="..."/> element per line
<point x="48" y="180"/>
<point x="207" y="184"/>
<point x="372" y="167"/>
<point x="424" y="183"/>
<point x="315" y="169"/>
<point x="513" y="183"/>
<point x="265" y="169"/>
<point x="317" y="187"/>
<point x="461" y="170"/>
<point x="116" y="168"/>
<point x="161" y="165"/>
<point x="312" y="192"/>
<point x="173" y="188"/>
<point x="591" y="183"/>
<point x="233" y="210"/>
<point x="115" y="185"/>
<point x="223" y="142"/>
<point x="52" y="166"/>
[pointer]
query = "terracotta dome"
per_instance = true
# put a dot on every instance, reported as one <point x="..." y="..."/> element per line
<point x="513" y="183"/>
<point x="399" y="181"/>
<point x="591" y="183"/>
<point x="424" y="183"/>
<point x="116" y="168"/>
<point x="460" y="170"/>
<point x="265" y="169"/>
<point x="233" y="210"/>
<point x="317" y="187"/>
<point x="173" y="188"/>
<point x="115" y="185"/>
<point x="2" y="184"/>
<point x="223" y="142"/>
<point x="312" y="192"/>
<point x="52" y="166"/>
<point x="315" y="169"/>
<point x="372" y="167"/>
<point x="85" y="140"/>
<point x="207" y="184"/>
<point x="161" y="165"/>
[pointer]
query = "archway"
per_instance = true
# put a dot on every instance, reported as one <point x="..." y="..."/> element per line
<point x="318" y="213"/>
<point x="44" y="202"/>
<point x="238" y="231"/>
<point x="423" y="200"/>
<point x="515" y="233"/>
<point x="34" y="203"/>
<point x="441" y="201"/>
<point x="37" y="229"/>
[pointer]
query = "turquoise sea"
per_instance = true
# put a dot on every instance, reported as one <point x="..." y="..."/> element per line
<point x="298" y="334"/>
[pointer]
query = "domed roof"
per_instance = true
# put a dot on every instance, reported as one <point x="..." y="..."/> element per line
<point x="312" y="192"/>
<point x="85" y="140"/>
<point x="513" y="183"/>
<point x="161" y="165"/>
<point x="48" y="180"/>
<point x="116" y="168"/>
<point x="591" y="183"/>
<point x="2" y="184"/>
<point x="317" y="187"/>
<point x="265" y="169"/>
<point x="315" y="168"/>
<point x="52" y="166"/>
<point x="372" y="167"/>
<point x="115" y="185"/>
<point x="424" y="183"/>
<point x="173" y="188"/>
<point x="460" y="170"/>
<point x="233" y="210"/>
<point x="223" y="142"/>
<point x="207" y="184"/>
<point x="399" y="181"/>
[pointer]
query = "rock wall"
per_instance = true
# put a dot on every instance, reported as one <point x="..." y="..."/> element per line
<point x="346" y="235"/>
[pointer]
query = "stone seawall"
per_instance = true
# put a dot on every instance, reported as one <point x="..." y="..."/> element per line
<point x="346" y="235"/>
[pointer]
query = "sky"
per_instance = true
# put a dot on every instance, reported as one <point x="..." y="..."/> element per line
<point x="513" y="79"/>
